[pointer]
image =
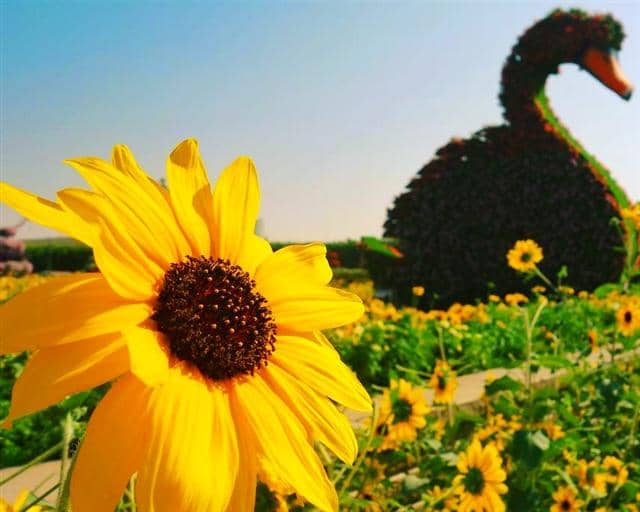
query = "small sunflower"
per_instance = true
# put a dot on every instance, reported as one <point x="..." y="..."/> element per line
<point x="444" y="383"/>
<point x="590" y="477"/>
<point x="524" y="256"/>
<point x="616" y="473"/>
<point x="19" y="503"/>
<point x="565" y="500"/>
<point x="593" y="341"/>
<point x="628" y="318"/>
<point x="418" y="291"/>
<point x="515" y="299"/>
<point x="402" y="413"/>
<point x="481" y="479"/>
<point x="213" y="339"/>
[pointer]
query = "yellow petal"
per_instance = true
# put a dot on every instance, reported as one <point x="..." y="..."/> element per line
<point x="192" y="461"/>
<point x="244" y="493"/>
<point x="113" y="447"/>
<point x="314" y="309"/>
<point x="65" y="309"/>
<point x="128" y="205"/>
<point x="294" y="266"/>
<point x="123" y="160"/>
<point x="53" y="373"/>
<point x="254" y="253"/>
<point x="318" y="367"/>
<point x="191" y="195"/>
<point x="44" y="212"/>
<point x="283" y="441"/>
<point x="149" y="360"/>
<point x="321" y="418"/>
<point x="236" y="201"/>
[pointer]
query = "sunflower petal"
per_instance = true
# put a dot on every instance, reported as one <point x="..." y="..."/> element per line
<point x="148" y="358"/>
<point x="113" y="448"/>
<point x="236" y="201"/>
<point x="318" y="367"/>
<point x="53" y="373"/>
<point x="321" y="418"/>
<point x="44" y="212"/>
<point x="191" y="195"/>
<point x="314" y="309"/>
<point x="254" y="253"/>
<point x="65" y="309"/>
<point x="293" y="267"/>
<point x="283" y="441"/>
<point x="192" y="461"/>
<point x="244" y="493"/>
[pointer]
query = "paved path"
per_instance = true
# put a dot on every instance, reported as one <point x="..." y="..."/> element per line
<point x="468" y="395"/>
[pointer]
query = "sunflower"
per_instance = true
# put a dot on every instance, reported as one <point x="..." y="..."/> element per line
<point x="592" y="334"/>
<point x="480" y="482"/>
<point x="628" y="318"/>
<point x="444" y="383"/>
<point x="565" y="500"/>
<point x="616" y="473"/>
<point x="590" y="476"/>
<point x="418" y="291"/>
<point x="19" y="503"/>
<point x="214" y="340"/>
<point x="515" y="299"/>
<point x="524" y="256"/>
<point x="402" y="413"/>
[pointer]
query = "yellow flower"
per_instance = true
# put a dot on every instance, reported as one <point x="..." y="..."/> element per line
<point x="628" y="318"/>
<point x="524" y="256"/>
<point x="590" y="476"/>
<point x="481" y="479"/>
<point x="616" y="472"/>
<point x="565" y="500"/>
<point x="632" y="214"/>
<point x="515" y="299"/>
<point x="552" y="429"/>
<point x="593" y="341"/>
<point x="188" y="309"/>
<point x="402" y="413"/>
<point x="18" y="504"/>
<point x="494" y="298"/>
<point x="538" y="289"/>
<point x="444" y="383"/>
<point x="418" y="291"/>
<point x="440" y="499"/>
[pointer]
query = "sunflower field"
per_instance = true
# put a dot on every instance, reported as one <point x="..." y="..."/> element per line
<point x="202" y="370"/>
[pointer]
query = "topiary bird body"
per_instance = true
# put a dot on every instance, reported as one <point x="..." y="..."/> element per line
<point x="525" y="179"/>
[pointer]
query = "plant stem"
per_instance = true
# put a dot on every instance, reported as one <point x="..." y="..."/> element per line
<point x="62" y="504"/>
<point x="362" y="454"/>
<point x="39" y="498"/>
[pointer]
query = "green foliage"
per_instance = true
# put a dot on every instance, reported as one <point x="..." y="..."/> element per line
<point x="70" y="256"/>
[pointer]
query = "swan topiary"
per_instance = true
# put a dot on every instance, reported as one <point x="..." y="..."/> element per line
<point x="528" y="178"/>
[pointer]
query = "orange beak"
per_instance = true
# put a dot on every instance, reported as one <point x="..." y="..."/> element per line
<point x="606" y="68"/>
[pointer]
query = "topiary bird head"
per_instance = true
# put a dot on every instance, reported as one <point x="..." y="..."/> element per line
<point x="573" y="36"/>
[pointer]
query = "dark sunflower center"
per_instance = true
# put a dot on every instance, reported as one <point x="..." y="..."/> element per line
<point x="213" y="318"/>
<point x="565" y="505"/>
<point x="525" y="257"/>
<point x="401" y="410"/>
<point x="474" y="481"/>
<point x="442" y="382"/>
<point x="628" y="317"/>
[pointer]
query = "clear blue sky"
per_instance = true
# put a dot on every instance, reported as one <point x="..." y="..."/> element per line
<point x="338" y="103"/>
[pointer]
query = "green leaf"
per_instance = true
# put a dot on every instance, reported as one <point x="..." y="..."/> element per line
<point x="504" y="383"/>
<point x="553" y="362"/>
<point x="529" y="447"/>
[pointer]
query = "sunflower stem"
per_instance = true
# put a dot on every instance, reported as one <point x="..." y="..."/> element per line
<point x="43" y="456"/>
<point x="62" y="504"/>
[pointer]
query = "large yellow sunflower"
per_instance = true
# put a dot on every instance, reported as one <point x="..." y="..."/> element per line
<point x="481" y="479"/>
<point x="444" y="383"/>
<point x="402" y="413"/>
<point x="565" y="500"/>
<point x="524" y="256"/>
<point x="213" y="338"/>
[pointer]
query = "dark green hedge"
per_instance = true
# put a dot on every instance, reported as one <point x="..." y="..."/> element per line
<point x="70" y="257"/>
